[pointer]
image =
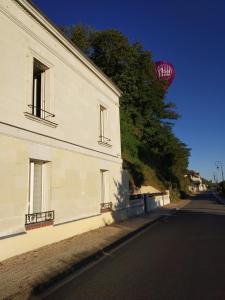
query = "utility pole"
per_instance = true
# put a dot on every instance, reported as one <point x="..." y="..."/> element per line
<point x="219" y="165"/>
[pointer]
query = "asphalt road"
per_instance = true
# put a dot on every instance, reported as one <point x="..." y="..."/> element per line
<point x="179" y="257"/>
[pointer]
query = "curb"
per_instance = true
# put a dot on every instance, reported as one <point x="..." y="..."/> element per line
<point x="89" y="259"/>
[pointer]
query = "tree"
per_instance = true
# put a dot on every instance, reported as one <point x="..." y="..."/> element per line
<point x="146" y="117"/>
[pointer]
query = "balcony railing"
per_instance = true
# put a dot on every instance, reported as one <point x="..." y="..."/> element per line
<point x="40" y="113"/>
<point x="136" y="197"/>
<point x="106" y="206"/>
<point x="39" y="217"/>
<point x="104" y="140"/>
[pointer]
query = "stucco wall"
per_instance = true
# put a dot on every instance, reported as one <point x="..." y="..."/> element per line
<point x="73" y="179"/>
<point x="75" y="91"/>
<point x="145" y="189"/>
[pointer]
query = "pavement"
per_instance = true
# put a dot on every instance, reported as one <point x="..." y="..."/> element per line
<point x="179" y="257"/>
<point x="31" y="273"/>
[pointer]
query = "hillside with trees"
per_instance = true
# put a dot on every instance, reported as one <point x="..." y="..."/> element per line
<point x="151" y="152"/>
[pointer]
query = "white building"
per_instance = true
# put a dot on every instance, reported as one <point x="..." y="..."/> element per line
<point x="196" y="183"/>
<point x="60" y="151"/>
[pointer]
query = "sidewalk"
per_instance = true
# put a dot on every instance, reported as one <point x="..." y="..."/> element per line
<point x="39" y="268"/>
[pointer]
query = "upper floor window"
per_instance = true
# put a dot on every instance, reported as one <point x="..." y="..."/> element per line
<point x="40" y="102"/>
<point x="39" y="89"/>
<point x="102" y="122"/>
<point x="103" y="139"/>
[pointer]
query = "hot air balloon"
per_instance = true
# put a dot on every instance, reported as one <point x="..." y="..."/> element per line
<point x="165" y="71"/>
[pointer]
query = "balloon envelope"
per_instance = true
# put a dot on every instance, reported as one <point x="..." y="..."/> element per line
<point x="165" y="71"/>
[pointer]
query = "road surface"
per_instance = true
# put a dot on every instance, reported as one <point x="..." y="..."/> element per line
<point x="179" y="257"/>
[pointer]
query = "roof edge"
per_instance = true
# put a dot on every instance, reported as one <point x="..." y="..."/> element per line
<point x="39" y="16"/>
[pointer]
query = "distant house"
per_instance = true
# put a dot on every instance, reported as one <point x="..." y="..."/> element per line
<point x="196" y="184"/>
<point x="60" y="149"/>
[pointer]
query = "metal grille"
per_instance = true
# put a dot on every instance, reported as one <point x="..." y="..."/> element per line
<point x="41" y="113"/>
<point x="107" y="205"/>
<point x="104" y="139"/>
<point x="39" y="217"/>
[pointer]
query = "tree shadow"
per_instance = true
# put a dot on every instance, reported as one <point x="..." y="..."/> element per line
<point x="131" y="206"/>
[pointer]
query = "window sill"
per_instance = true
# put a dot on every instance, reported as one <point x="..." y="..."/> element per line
<point x="39" y="225"/>
<point x="105" y="144"/>
<point x="40" y="120"/>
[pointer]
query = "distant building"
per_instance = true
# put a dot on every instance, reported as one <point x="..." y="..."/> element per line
<point x="60" y="149"/>
<point x="196" y="182"/>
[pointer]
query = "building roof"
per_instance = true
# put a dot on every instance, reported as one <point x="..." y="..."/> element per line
<point x="45" y="22"/>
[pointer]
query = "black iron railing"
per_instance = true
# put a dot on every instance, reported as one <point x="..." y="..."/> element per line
<point x="106" y="206"/>
<point x="136" y="197"/>
<point x="104" y="139"/>
<point x="142" y="196"/>
<point x="40" y="113"/>
<point x="39" y="217"/>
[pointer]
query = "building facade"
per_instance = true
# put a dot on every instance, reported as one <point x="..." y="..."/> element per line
<point x="60" y="151"/>
<point x="196" y="184"/>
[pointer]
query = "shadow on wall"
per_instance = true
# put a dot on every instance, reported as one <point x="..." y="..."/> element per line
<point x="120" y="207"/>
<point x="127" y="206"/>
<point x="117" y="210"/>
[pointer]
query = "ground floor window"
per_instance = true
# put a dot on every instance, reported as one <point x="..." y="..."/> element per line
<point x="105" y="191"/>
<point x="38" y="205"/>
<point x="36" y="186"/>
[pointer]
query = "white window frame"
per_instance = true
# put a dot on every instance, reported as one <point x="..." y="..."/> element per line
<point x="103" y="112"/>
<point x="47" y="118"/>
<point x="43" y="186"/>
<point x="104" y="126"/>
<point x="43" y="72"/>
<point x="105" y="186"/>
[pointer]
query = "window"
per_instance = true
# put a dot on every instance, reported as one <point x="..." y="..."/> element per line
<point x="40" y="93"/>
<point x="105" y="194"/>
<point x="39" y="89"/>
<point x="37" y="184"/>
<point x="103" y="127"/>
<point x="102" y="122"/>
<point x="38" y="195"/>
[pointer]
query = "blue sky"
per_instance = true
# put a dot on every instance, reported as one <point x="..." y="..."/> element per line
<point x="189" y="34"/>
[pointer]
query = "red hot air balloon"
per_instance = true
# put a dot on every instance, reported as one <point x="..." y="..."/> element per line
<point x="165" y="71"/>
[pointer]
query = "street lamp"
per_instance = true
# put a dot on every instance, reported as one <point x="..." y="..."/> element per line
<point x="215" y="178"/>
<point x="219" y="165"/>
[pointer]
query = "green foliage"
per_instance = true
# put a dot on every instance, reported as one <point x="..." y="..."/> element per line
<point x="81" y="36"/>
<point x="148" y="142"/>
<point x="174" y="194"/>
<point x="221" y="188"/>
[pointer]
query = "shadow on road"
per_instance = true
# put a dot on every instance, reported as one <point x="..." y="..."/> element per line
<point x="205" y="203"/>
<point x="201" y="203"/>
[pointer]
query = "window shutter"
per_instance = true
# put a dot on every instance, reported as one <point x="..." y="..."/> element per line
<point x="105" y="186"/>
<point x="37" y="188"/>
<point x="106" y="179"/>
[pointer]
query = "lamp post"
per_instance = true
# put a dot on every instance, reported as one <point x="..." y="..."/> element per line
<point x="219" y="165"/>
<point x="215" y="178"/>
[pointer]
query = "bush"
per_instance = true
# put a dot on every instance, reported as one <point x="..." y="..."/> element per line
<point x="174" y="195"/>
<point x="221" y="188"/>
